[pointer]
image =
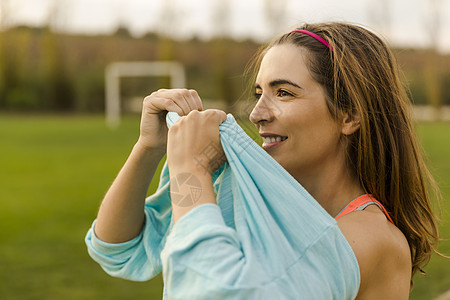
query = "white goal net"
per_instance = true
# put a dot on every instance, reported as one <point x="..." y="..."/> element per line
<point x="115" y="71"/>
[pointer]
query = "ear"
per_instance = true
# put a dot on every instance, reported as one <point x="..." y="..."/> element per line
<point x="350" y="123"/>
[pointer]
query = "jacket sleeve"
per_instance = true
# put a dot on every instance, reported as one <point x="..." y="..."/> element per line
<point x="138" y="259"/>
<point x="203" y="257"/>
<point x="124" y="260"/>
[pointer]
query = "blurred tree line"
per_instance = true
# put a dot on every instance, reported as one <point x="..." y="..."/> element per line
<point x="41" y="70"/>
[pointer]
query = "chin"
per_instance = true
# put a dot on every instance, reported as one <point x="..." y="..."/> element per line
<point x="279" y="160"/>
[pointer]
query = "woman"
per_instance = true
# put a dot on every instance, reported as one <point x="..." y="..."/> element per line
<point x="333" y="113"/>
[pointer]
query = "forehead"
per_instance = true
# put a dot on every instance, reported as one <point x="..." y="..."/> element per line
<point x="283" y="62"/>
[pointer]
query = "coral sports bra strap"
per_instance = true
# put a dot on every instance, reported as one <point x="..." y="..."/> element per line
<point x="361" y="203"/>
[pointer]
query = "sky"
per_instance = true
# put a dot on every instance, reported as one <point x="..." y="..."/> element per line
<point x="404" y="23"/>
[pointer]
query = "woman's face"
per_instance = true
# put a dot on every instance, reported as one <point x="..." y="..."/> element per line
<point x="292" y="115"/>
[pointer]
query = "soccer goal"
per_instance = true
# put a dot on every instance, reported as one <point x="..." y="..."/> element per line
<point x="115" y="71"/>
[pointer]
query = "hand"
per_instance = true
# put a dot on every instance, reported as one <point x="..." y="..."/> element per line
<point x="153" y="129"/>
<point x="194" y="144"/>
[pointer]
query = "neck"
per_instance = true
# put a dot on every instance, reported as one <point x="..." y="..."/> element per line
<point x="333" y="188"/>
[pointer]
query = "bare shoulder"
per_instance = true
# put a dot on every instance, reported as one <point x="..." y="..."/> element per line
<point x="383" y="254"/>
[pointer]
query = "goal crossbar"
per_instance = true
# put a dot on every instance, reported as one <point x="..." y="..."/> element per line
<point x="117" y="70"/>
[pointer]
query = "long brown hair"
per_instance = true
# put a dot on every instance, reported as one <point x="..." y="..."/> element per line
<point x="361" y="77"/>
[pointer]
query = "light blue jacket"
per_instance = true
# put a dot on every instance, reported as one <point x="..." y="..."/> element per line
<point x="266" y="239"/>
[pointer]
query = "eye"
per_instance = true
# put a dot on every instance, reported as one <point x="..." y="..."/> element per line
<point x="284" y="93"/>
<point x="258" y="95"/>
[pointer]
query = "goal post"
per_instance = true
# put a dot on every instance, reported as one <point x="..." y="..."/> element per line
<point x="116" y="70"/>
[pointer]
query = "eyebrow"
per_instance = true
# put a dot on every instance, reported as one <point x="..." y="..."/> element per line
<point x="278" y="82"/>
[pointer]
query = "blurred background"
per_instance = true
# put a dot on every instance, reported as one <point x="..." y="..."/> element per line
<point x="58" y="156"/>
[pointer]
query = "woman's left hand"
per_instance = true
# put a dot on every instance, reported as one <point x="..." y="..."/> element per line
<point x="193" y="144"/>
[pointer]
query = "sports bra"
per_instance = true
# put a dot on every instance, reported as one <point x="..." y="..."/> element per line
<point x="361" y="203"/>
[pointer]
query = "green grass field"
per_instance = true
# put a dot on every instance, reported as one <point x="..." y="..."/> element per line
<point x="54" y="171"/>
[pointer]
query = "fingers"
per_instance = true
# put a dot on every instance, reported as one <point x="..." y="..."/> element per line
<point x="181" y="101"/>
<point x="218" y="115"/>
<point x="196" y="100"/>
<point x="200" y="121"/>
<point x="194" y="141"/>
<point x="156" y="105"/>
<point x="214" y="116"/>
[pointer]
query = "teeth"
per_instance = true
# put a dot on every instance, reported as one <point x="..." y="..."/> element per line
<point x="273" y="139"/>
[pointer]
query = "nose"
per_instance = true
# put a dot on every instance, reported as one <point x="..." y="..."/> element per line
<point x="263" y="111"/>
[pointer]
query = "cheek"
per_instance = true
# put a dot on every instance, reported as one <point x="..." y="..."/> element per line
<point x="315" y="135"/>
<point x="310" y="124"/>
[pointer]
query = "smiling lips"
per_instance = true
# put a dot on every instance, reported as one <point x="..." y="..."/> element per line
<point x="272" y="140"/>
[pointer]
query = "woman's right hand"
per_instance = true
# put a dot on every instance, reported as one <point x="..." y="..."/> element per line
<point x="153" y="130"/>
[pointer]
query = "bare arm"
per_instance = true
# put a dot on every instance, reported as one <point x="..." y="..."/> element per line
<point x="121" y="214"/>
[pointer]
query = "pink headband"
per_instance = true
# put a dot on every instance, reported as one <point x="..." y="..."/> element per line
<point x="314" y="36"/>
